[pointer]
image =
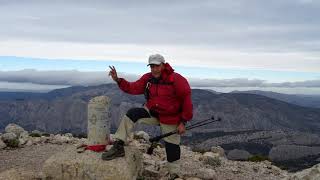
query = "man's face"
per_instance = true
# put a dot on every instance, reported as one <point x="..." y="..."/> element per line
<point x="156" y="70"/>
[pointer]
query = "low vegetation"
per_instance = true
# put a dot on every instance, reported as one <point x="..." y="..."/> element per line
<point x="258" y="158"/>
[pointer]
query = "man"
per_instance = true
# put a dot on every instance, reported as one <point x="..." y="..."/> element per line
<point x="168" y="104"/>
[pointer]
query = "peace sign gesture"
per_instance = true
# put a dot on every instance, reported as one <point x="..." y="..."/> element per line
<point x="113" y="73"/>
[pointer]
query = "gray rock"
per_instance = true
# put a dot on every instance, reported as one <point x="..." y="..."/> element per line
<point x="141" y="135"/>
<point x="22" y="142"/>
<point x="8" y="136"/>
<point x="44" y="139"/>
<point x="69" y="164"/>
<point x="29" y="143"/>
<point x="237" y="154"/>
<point x="23" y="138"/>
<point x="69" y="135"/>
<point x="36" y="140"/>
<point x="209" y="174"/>
<point x="2" y="144"/>
<point x="58" y="139"/>
<point x="150" y="172"/>
<point x="312" y="173"/>
<point x="13" y="128"/>
<point x="24" y="135"/>
<point x="219" y="150"/>
<point x="190" y="168"/>
<point x="211" y="158"/>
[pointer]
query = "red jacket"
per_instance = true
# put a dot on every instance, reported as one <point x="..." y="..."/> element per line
<point x="170" y="98"/>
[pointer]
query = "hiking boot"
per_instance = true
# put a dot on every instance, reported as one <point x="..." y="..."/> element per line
<point x="117" y="150"/>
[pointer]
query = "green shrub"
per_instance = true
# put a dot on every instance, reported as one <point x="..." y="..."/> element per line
<point x="213" y="161"/>
<point x="258" y="158"/>
<point x="14" y="143"/>
<point x="140" y="178"/>
<point x="35" y="135"/>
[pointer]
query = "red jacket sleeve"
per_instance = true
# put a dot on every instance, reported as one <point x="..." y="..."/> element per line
<point x="183" y="92"/>
<point x="136" y="87"/>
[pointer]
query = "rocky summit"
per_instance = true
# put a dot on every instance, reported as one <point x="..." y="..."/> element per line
<point x="41" y="156"/>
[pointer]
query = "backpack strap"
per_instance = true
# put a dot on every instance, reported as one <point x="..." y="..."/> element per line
<point x="152" y="80"/>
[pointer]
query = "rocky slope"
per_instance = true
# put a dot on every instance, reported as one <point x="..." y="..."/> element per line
<point x="258" y="123"/>
<point x="55" y="157"/>
<point x="289" y="149"/>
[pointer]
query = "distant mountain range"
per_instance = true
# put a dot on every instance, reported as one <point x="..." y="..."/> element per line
<point x="298" y="99"/>
<point x="66" y="110"/>
<point x="251" y="121"/>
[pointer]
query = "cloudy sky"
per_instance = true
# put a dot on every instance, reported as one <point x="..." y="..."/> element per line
<point x="244" y="44"/>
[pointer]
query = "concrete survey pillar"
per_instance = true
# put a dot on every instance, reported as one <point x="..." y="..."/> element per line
<point x="98" y="120"/>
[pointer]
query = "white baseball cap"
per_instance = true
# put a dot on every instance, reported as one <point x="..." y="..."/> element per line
<point x="156" y="59"/>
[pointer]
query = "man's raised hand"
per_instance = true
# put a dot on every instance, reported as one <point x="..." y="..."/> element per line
<point x="113" y="73"/>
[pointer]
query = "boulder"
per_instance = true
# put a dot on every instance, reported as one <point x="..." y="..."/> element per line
<point x="2" y="144"/>
<point x="219" y="150"/>
<point x="29" y="143"/>
<point x="237" y="154"/>
<point x="213" y="159"/>
<point x="69" y="164"/>
<point x="36" y="140"/>
<point x="69" y="135"/>
<point x="209" y="174"/>
<point x="6" y="137"/>
<point x="141" y="135"/>
<point x="188" y="167"/>
<point x="58" y="139"/>
<point x="13" y="128"/>
<point x="23" y="138"/>
<point x="312" y="173"/>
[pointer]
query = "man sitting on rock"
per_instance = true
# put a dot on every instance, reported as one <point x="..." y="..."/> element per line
<point x="168" y="104"/>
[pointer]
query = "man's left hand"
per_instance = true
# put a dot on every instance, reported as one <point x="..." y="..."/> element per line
<point x="181" y="128"/>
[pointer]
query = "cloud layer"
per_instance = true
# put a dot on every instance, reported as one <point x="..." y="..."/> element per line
<point x="287" y="25"/>
<point x="74" y="78"/>
<point x="281" y="35"/>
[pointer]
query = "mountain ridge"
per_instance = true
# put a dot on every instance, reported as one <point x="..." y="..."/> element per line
<point x="239" y="110"/>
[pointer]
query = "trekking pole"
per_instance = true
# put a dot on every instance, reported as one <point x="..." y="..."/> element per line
<point x="202" y="124"/>
<point x="195" y="125"/>
<point x="157" y="138"/>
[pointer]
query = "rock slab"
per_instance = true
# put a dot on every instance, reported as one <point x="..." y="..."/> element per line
<point x="70" y="165"/>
